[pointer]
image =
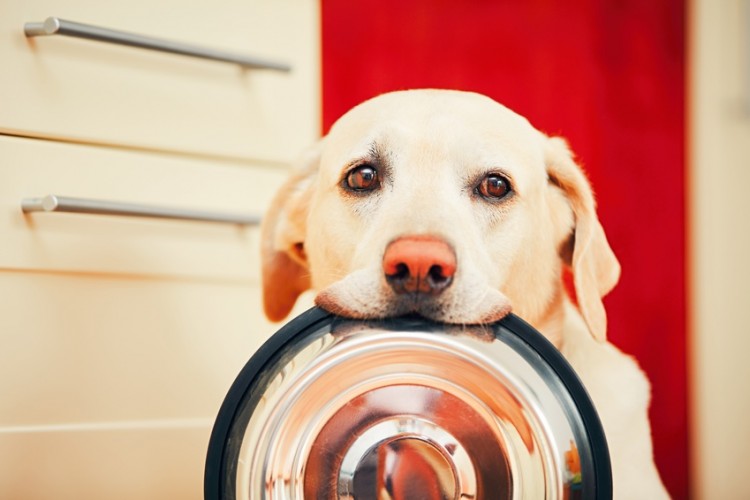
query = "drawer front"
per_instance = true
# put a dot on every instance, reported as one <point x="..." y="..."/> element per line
<point x="110" y="386"/>
<point x="91" y="350"/>
<point x="89" y="91"/>
<point x="111" y="464"/>
<point x="66" y="242"/>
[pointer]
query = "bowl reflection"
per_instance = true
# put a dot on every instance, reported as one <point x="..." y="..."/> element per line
<point x="406" y="409"/>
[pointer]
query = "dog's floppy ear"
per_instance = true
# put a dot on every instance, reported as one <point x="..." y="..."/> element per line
<point x="595" y="267"/>
<point x="284" y="263"/>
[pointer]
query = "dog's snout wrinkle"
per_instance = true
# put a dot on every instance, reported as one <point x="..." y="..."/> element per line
<point x="419" y="265"/>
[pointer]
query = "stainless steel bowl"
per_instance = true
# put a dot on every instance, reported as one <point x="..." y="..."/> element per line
<point x="404" y="408"/>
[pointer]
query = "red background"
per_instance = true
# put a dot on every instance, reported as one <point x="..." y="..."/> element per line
<point x="608" y="76"/>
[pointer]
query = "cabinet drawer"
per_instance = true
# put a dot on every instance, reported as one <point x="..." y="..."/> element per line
<point x="87" y="350"/>
<point x="110" y="386"/>
<point x="83" y="90"/>
<point x="111" y="464"/>
<point x="129" y="245"/>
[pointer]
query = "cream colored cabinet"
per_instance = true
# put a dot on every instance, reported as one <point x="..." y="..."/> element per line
<point x="109" y="384"/>
<point x="121" y="335"/>
<point x="96" y="92"/>
<point x="719" y="148"/>
<point x="137" y="246"/>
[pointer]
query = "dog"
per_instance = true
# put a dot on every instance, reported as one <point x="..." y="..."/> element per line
<point x="449" y="205"/>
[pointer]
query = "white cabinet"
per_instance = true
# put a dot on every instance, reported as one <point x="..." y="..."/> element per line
<point x="96" y="92"/>
<point x="111" y="244"/>
<point x="110" y="383"/>
<point x="719" y="148"/>
<point x="121" y="335"/>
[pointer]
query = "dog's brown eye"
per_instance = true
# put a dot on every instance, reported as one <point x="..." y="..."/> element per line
<point x="494" y="186"/>
<point x="363" y="178"/>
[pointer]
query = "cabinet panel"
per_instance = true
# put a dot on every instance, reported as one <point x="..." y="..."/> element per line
<point x="113" y="464"/>
<point x="129" y="245"/>
<point x="719" y="248"/>
<point x="90" y="91"/>
<point x="82" y="349"/>
<point x="110" y="385"/>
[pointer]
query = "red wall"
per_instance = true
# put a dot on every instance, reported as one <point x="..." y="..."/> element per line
<point x="609" y="76"/>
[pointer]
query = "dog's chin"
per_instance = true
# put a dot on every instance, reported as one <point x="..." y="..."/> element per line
<point x="350" y="299"/>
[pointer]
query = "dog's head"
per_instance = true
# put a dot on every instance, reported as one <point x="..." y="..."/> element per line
<point x="440" y="203"/>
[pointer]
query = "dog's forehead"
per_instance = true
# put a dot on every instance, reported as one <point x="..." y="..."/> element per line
<point x="445" y="121"/>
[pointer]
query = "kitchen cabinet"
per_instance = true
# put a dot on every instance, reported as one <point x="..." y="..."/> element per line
<point x="122" y="334"/>
<point x="84" y="90"/>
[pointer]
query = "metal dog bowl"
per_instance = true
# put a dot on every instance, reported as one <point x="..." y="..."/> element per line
<point x="405" y="408"/>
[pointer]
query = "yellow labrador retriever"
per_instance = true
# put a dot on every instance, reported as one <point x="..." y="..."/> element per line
<point x="449" y="205"/>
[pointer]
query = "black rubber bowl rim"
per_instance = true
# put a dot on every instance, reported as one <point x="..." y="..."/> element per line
<point x="310" y="320"/>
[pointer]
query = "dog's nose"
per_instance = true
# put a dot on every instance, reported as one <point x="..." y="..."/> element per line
<point x="423" y="264"/>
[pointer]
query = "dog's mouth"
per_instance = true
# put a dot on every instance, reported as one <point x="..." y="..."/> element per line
<point x="352" y="299"/>
<point x="418" y="274"/>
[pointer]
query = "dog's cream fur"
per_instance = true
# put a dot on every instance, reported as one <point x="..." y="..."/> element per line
<point x="430" y="148"/>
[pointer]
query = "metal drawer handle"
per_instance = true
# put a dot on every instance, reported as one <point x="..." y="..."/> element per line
<point x="57" y="26"/>
<point x="53" y="203"/>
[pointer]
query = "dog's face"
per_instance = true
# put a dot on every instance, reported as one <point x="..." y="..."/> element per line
<point x="440" y="203"/>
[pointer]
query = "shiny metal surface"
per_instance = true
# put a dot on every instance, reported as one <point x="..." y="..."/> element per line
<point x="54" y="203"/>
<point x="56" y="26"/>
<point x="383" y="412"/>
<point x="406" y="457"/>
